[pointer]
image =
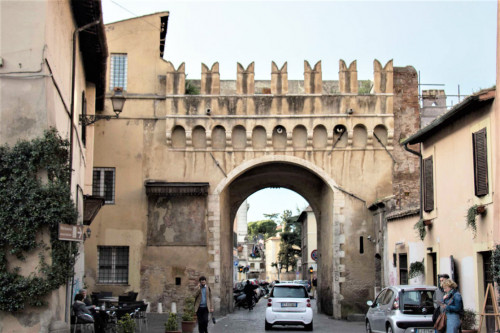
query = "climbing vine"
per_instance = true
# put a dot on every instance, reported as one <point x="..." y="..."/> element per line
<point x="34" y="199"/>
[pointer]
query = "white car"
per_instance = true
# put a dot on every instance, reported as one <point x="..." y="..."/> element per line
<point x="289" y="304"/>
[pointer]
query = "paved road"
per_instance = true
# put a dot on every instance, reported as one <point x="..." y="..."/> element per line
<point x="244" y="321"/>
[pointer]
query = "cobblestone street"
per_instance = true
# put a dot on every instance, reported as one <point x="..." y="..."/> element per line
<point x="245" y="321"/>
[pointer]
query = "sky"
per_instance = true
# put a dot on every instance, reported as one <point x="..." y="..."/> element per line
<point x="450" y="43"/>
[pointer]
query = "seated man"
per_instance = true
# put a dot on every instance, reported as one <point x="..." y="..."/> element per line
<point x="81" y="311"/>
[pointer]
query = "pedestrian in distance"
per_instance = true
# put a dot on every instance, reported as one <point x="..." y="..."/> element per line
<point x="203" y="304"/>
<point x="249" y="291"/>
<point x="452" y="305"/>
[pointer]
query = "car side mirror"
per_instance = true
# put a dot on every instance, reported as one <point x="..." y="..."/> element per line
<point x="369" y="303"/>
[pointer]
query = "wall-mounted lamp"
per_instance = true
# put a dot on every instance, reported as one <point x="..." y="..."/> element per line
<point x="86" y="234"/>
<point x="117" y="100"/>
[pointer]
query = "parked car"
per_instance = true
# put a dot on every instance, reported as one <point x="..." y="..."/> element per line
<point x="401" y="309"/>
<point x="305" y="283"/>
<point x="289" y="304"/>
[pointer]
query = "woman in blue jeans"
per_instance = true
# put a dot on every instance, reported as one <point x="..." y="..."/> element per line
<point x="452" y="305"/>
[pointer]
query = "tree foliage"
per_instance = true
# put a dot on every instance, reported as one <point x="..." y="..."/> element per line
<point x="290" y="246"/>
<point x="34" y="196"/>
<point x="266" y="228"/>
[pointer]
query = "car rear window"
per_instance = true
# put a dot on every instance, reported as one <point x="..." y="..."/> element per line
<point x="289" y="292"/>
<point x="417" y="301"/>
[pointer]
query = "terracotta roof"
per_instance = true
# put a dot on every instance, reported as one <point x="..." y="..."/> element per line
<point x="402" y="213"/>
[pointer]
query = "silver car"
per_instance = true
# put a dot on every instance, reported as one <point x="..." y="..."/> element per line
<point x="401" y="309"/>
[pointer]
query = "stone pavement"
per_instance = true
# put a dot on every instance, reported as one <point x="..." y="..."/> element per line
<point x="245" y="321"/>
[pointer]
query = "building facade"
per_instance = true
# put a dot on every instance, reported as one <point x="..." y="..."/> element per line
<point x="180" y="162"/>
<point x="459" y="151"/>
<point x="52" y="71"/>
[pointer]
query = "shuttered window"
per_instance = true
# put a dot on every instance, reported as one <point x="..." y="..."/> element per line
<point x="480" y="162"/>
<point x="428" y="185"/>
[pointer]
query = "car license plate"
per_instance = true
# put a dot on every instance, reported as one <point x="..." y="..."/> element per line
<point x="425" y="330"/>
<point x="288" y="305"/>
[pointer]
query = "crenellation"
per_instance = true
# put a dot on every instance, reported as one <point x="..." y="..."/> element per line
<point x="279" y="79"/>
<point x="210" y="80"/>
<point x="313" y="82"/>
<point x="175" y="80"/>
<point x="348" y="77"/>
<point x="245" y="83"/>
<point x="383" y="77"/>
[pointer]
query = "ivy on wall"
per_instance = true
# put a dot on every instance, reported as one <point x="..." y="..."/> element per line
<point x="34" y="196"/>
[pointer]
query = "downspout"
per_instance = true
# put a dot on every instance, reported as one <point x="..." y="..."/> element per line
<point x="71" y="139"/>
<point x="72" y="105"/>
<point x="414" y="152"/>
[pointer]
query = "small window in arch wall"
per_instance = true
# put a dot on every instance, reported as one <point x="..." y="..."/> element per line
<point x="259" y="137"/>
<point x="340" y="136"/>
<point x="359" y="136"/>
<point x="320" y="137"/>
<point x="279" y="137"/>
<point x="219" y="137"/>
<point x="199" y="137"/>
<point x="381" y="133"/>
<point x="299" y="137"/>
<point x="178" y="137"/>
<point x="239" y="137"/>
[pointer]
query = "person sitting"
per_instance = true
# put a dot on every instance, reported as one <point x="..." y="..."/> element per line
<point x="82" y="313"/>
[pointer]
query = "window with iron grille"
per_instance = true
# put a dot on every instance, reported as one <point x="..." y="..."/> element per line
<point x="118" y="71"/>
<point x="428" y="185"/>
<point x="480" y="162"/>
<point x="103" y="184"/>
<point x="113" y="264"/>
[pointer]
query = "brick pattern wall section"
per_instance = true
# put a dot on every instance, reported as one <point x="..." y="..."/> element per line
<point x="406" y="173"/>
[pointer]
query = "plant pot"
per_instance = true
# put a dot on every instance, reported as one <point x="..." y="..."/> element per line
<point x="481" y="209"/>
<point x="469" y="331"/>
<point x="427" y="223"/>
<point x="188" y="326"/>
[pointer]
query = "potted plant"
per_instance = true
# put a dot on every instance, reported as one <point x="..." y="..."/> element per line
<point x="126" y="324"/>
<point x="469" y="321"/>
<point x="188" y="316"/>
<point x="171" y="326"/>
<point x="471" y="216"/>
<point x="417" y="268"/>
<point x="420" y="227"/>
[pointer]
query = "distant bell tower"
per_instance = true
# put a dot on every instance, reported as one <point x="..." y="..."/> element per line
<point x="433" y="105"/>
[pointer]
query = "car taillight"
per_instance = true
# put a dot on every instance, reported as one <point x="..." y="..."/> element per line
<point x="395" y="305"/>
<point x="269" y="302"/>
<point x="308" y="303"/>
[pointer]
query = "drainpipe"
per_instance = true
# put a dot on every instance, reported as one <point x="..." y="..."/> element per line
<point x="72" y="106"/>
<point x="71" y="139"/>
<point x="414" y="152"/>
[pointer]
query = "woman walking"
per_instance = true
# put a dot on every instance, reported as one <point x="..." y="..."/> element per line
<point x="452" y="305"/>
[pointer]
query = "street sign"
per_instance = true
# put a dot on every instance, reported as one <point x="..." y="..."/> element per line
<point x="73" y="233"/>
<point x="314" y="255"/>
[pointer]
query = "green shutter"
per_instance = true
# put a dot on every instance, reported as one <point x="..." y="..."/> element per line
<point x="480" y="162"/>
<point x="428" y="185"/>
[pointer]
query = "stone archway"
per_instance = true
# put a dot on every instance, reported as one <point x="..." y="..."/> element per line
<point x="295" y="174"/>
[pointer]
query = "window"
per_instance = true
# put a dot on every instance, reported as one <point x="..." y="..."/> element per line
<point x="103" y="184"/>
<point x="480" y="162"/>
<point x="403" y="269"/>
<point x="118" y="71"/>
<point x="113" y="264"/>
<point x="428" y="185"/>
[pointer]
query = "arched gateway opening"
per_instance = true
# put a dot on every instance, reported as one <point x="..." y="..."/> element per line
<point x="300" y="176"/>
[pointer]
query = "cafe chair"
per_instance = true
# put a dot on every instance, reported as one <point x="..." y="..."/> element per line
<point x="81" y="327"/>
<point x="141" y="318"/>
